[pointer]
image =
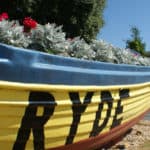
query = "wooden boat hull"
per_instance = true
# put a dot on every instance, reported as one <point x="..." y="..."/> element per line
<point x="39" y="111"/>
<point x="103" y="140"/>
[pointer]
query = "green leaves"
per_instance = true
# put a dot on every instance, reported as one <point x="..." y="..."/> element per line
<point x="136" y="42"/>
<point x="81" y="18"/>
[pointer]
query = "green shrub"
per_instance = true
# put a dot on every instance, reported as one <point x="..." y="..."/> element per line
<point x="79" y="17"/>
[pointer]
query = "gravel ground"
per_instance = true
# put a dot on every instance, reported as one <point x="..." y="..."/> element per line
<point x="140" y="134"/>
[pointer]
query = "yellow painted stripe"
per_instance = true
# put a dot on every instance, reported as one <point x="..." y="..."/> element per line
<point x="48" y="87"/>
<point x="14" y="99"/>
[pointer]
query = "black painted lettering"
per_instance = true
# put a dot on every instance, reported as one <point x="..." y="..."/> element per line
<point x="124" y="93"/>
<point x="106" y="99"/>
<point x="35" y="124"/>
<point x="106" y="96"/>
<point x="78" y="109"/>
<point x="119" y="110"/>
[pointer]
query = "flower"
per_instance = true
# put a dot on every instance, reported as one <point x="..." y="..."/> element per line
<point x="29" y="24"/>
<point x="3" y="16"/>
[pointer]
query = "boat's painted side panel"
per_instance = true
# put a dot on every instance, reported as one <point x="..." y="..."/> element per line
<point x="51" y="102"/>
<point x="103" y="141"/>
<point x="42" y="116"/>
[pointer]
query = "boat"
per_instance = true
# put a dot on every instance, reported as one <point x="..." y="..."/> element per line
<point x="50" y="102"/>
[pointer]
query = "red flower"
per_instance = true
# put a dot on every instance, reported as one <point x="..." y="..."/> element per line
<point x="29" y="24"/>
<point x="3" y="16"/>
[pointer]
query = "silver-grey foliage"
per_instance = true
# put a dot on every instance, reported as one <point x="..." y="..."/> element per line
<point x="50" y="38"/>
<point x="12" y="33"/>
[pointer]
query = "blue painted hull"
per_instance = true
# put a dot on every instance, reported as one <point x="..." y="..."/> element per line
<point x="35" y="67"/>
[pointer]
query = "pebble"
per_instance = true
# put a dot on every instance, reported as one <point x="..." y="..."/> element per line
<point x="139" y="134"/>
